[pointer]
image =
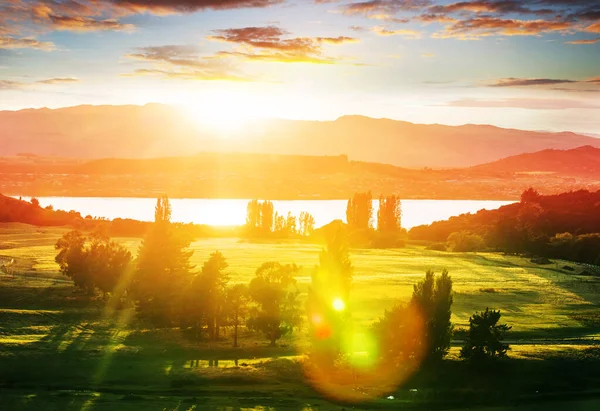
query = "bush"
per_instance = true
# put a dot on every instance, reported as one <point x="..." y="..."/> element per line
<point x="463" y="241"/>
<point x="484" y="338"/>
<point x="437" y="247"/>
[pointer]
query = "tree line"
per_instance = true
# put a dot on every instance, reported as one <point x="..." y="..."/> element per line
<point x="564" y="226"/>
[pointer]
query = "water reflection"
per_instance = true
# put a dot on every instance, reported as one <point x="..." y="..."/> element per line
<point x="233" y="212"/>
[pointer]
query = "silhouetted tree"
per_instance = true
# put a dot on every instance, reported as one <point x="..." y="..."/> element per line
<point x="253" y="214"/>
<point x="484" y="338"/>
<point x="279" y="224"/>
<point x="306" y="223"/>
<point x="389" y="214"/>
<point x="359" y="211"/>
<point x="275" y="292"/>
<point x="212" y="291"/>
<point x="35" y="202"/>
<point x="237" y="307"/>
<point x="530" y="196"/>
<point x="290" y="224"/>
<point x="261" y="218"/>
<point x="267" y="216"/>
<point x="162" y="210"/>
<point x="163" y="268"/>
<point x="433" y="298"/>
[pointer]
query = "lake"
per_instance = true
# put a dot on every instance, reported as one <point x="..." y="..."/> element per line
<point x="222" y="212"/>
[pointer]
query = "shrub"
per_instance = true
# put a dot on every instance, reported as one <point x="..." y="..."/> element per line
<point x="463" y="241"/>
<point x="484" y="338"/>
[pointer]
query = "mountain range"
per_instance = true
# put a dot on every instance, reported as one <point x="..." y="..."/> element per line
<point x="156" y="130"/>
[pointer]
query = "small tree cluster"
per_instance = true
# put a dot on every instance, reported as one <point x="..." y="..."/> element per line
<point x="261" y="219"/>
<point x="306" y="224"/>
<point x="359" y="211"/>
<point x="260" y="216"/>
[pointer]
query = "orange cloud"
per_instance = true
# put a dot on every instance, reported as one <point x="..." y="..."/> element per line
<point x="59" y="80"/>
<point x="183" y="62"/>
<point x="269" y="44"/>
<point x="7" y="42"/>
<point x="406" y="33"/>
<point x="594" y="28"/>
<point x="590" y="41"/>
<point x="87" y="24"/>
<point x="488" y="26"/>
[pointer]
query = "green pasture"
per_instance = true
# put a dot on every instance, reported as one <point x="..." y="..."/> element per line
<point x="61" y="350"/>
<point x="537" y="300"/>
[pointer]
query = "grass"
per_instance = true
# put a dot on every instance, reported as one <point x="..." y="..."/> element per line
<point x="63" y="350"/>
<point x="536" y="300"/>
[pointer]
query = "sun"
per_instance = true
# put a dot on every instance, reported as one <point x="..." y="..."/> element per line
<point x="225" y="112"/>
<point x="338" y="304"/>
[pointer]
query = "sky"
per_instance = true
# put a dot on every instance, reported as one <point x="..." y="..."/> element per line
<point x="531" y="64"/>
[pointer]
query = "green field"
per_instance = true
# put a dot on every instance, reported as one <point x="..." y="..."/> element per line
<point x="61" y="350"/>
<point x="537" y="300"/>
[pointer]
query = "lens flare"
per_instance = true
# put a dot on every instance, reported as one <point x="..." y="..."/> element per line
<point x="338" y="304"/>
<point x="367" y="364"/>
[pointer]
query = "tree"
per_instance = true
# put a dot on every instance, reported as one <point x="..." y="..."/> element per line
<point x="328" y="296"/>
<point x="389" y="214"/>
<point x="306" y="224"/>
<point x="72" y="259"/>
<point x="290" y="224"/>
<point x="267" y="217"/>
<point x="530" y="196"/>
<point x="275" y="292"/>
<point x="212" y="288"/>
<point x="162" y="210"/>
<point x="253" y="214"/>
<point x="236" y="307"/>
<point x="261" y="218"/>
<point x="359" y="211"/>
<point x="484" y="339"/>
<point x="400" y="336"/>
<point x="109" y="262"/>
<point x="433" y="299"/>
<point x="163" y="268"/>
<point x="92" y="262"/>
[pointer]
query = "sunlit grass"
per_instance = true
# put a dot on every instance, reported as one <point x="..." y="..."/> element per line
<point x="533" y="298"/>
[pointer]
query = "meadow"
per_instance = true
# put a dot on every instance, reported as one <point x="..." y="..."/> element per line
<point x="63" y="350"/>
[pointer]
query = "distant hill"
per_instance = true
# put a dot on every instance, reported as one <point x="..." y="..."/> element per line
<point x="581" y="161"/>
<point x="156" y="130"/>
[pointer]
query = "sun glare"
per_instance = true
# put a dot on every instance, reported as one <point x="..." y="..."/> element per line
<point x="226" y="112"/>
<point x="338" y="304"/>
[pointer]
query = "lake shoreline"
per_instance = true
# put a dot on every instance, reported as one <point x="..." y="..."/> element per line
<point x="232" y="212"/>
